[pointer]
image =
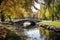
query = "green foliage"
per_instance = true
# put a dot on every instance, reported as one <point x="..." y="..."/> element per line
<point x="16" y="8"/>
<point x="21" y="8"/>
<point x="48" y="2"/>
<point x="53" y="7"/>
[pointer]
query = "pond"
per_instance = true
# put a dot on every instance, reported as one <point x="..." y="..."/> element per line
<point x="34" y="32"/>
<point x="40" y="34"/>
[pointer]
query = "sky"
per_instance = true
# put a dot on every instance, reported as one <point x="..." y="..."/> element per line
<point x="36" y="5"/>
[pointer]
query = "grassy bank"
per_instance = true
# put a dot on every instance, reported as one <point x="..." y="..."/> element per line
<point x="55" y="23"/>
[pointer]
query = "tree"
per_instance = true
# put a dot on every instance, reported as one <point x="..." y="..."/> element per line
<point x="0" y="2"/>
<point x="1" y="12"/>
<point x="2" y="17"/>
<point x="17" y="8"/>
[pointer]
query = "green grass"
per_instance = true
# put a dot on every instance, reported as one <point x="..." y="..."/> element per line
<point x="55" y="23"/>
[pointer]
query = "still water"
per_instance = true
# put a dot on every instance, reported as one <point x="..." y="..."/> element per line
<point x="33" y="34"/>
<point x="40" y="34"/>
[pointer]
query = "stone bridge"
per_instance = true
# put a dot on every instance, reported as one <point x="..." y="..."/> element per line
<point x="34" y="23"/>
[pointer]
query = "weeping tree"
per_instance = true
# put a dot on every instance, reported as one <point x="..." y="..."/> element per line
<point x="0" y="2"/>
<point x="53" y="8"/>
<point x="48" y="5"/>
<point x="57" y="10"/>
<point x="16" y="7"/>
<point x="2" y="16"/>
<point x="1" y="12"/>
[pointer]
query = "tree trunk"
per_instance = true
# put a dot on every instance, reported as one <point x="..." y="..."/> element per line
<point x="1" y="1"/>
<point x="52" y="17"/>
<point x="2" y="17"/>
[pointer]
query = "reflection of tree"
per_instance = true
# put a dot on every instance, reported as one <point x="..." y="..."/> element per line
<point x="42" y="32"/>
<point x="6" y="34"/>
<point x="48" y="34"/>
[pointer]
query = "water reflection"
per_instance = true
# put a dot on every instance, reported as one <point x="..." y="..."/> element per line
<point x="39" y="34"/>
<point x="49" y="35"/>
<point x="33" y="34"/>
